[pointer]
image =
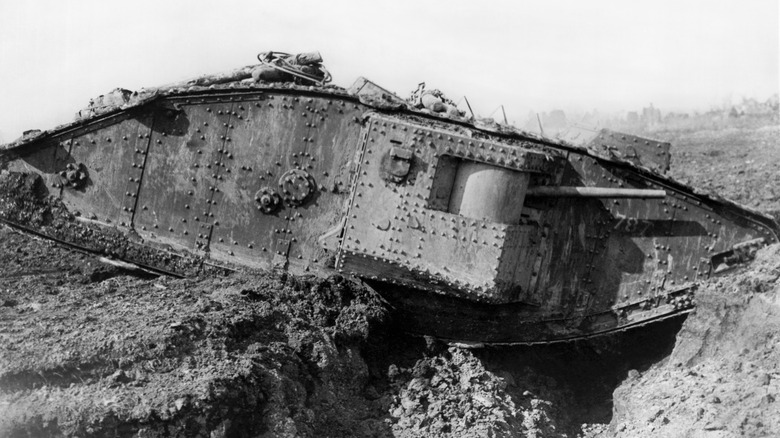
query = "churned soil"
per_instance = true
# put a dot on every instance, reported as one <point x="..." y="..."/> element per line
<point x="91" y="349"/>
<point x="88" y="350"/>
<point x="740" y="164"/>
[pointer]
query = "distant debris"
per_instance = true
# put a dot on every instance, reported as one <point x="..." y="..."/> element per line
<point x="648" y="119"/>
<point x="651" y="116"/>
<point x="551" y="122"/>
<point x="555" y="120"/>
<point x="753" y="107"/>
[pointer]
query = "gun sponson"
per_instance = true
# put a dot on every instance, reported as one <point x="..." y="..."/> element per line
<point x="594" y="192"/>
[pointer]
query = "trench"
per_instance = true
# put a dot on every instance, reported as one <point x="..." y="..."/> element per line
<point x="577" y="378"/>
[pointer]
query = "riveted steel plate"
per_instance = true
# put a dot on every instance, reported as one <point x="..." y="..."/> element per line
<point x="565" y="269"/>
<point x="633" y="263"/>
<point x="329" y="156"/>
<point x="182" y="175"/>
<point x="391" y="225"/>
<point x="265" y="140"/>
<point x="493" y="153"/>
<point x="629" y="263"/>
<point x="109" y="156"/>
<point x="652" y="154"/>
<point x="717" y="229"/>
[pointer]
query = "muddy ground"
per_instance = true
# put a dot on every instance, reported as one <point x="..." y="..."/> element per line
<point x="89" y="349"/>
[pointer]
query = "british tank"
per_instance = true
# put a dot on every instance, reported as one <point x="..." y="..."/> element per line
<point x="471" y="230"/>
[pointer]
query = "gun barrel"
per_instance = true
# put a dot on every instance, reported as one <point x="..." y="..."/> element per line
<point x="594" y="192"/>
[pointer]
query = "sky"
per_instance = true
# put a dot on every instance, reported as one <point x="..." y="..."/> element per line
<point x="528" y="55"/>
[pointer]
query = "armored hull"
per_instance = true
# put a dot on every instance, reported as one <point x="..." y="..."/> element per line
<point x="472" y="232"/>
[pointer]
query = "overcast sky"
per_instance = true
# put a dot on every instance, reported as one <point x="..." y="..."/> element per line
<point x="528" y="55"/>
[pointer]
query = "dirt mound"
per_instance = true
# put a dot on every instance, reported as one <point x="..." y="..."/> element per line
<point x="234" y="356"/>
<point x="453" y="394"/>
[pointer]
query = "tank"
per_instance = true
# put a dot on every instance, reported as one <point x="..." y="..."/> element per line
<point x="472" y="231"/>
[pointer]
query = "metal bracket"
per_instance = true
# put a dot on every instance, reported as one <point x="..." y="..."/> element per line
<point x="396" y="165"/>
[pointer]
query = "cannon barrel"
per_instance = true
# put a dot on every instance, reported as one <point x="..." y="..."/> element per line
<point x="594" y="192"/>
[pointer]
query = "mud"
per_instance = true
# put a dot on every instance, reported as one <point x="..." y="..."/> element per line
<point x="91" y="351"/>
